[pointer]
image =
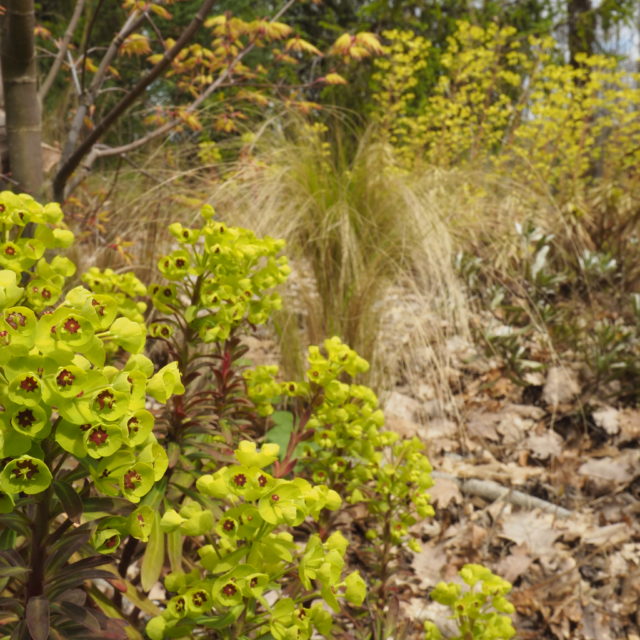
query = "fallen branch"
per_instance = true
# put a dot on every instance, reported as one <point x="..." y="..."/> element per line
<point x="490" y="490"/>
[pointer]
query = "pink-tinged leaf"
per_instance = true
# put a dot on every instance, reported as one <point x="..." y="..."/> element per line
<point x="37" y="617"/>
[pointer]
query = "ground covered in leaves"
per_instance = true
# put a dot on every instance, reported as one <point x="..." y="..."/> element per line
<point x="539" y="483"/>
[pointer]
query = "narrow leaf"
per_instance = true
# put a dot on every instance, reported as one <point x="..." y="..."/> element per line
<point x="70" y="500"/>
<point x="153" y="558"/>
<point x="37" y="617"/>
<point x="174" y="549"/>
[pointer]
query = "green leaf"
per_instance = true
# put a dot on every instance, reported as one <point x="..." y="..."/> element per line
<point x="153" y="558"/>
<point x="70" y="500"/>
<point x="37" y="617"/>
<point x="280" y="434"/>
<point x="174" y="550"/>
<point x="13" y="572"/>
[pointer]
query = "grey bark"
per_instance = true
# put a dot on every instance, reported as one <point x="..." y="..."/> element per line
<point x="22" y="107"/>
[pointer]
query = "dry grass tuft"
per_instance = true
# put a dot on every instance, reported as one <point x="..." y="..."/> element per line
<point x="363" y="236"/>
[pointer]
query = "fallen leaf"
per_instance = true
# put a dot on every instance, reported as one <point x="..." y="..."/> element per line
<point x="533" y="528"/>
<point x="444" y="491"/>
<point x="608" y="419"/>
<point x="544" y="446"/>
<point x="515" y="564"/>
<point x="610" y="535"/>
<point x="605" y="472"/>
<point x="428" y="563"/>
<point x="561" y="386"/>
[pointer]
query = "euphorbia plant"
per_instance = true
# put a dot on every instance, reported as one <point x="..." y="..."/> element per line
<point x="75" y="437"/>
<point x="336" y="436"/>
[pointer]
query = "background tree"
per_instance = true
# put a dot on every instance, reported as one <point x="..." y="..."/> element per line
<point x="19" y="76"/>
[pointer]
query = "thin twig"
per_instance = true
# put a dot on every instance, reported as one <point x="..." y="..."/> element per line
<point x="62" y="50"/>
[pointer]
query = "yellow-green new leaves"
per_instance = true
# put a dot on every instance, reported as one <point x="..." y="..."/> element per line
<point x="52" y="363"/>
<point x="477" y="609"/>
<point x="221" y="282"/>
<point x="248" y="553"/>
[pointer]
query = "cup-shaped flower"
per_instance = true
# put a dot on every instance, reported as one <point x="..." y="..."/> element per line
<point x="165" y="383"/>
<point x="136" y="481"/>
<point x="177" y="607"/>
<point x="176" y="265"/>
<point x="33" y="422"/>
<point x="227" y="590"/>
<point x="248" y="456"/>
<point x="20" y="324"/>
<point x="25" y="474"/>
<point x="102" y="440"/>
<point x="129" y="335"/>
<point x="164" y="297"/>
<point x="283" y="505"/>
<point x="161" y="330"/>
<point x="137" y="426"/>
<point x="198" y="600"/>
<point x="70" y="327"/>
<point x="141" y="522"/>
<point x="182" y="234"/>
<point x="106" y="540"/>
<point x="25" y="390"/>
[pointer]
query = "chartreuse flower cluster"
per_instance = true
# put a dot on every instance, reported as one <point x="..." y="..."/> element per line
<point x="218" y="279"/>
<point x="481" y="611"/>
<point x="125" y="288"/>
<point x="349" y="449"/>
<point x="250" y="556"/>
<point x="54" y="384"/>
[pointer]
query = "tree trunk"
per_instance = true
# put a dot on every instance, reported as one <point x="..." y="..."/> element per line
<point x="22" y="107"/>
<point x="582" y="29"/>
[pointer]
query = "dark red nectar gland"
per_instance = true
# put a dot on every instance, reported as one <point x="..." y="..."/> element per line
<point x="105" y="400"/>
<point x="199" y="598"/>
<point x="71" y="325"/>
<point x="26" y="418"/>
<point x="10" y="251"/>
<point x="14" y="319"/>
<point x="65" y="378"/>
<point x="275" y="497"/>
<point x="240" y="480"/>
<point x="99" y="436"/>
<point x="228" y="525"/>
<point x="25" y="469"/>
<point x="132" y="479"/>
<point x="28" y="384"/>
<point x="262" y="480"/>
<point x="229" y="590"/>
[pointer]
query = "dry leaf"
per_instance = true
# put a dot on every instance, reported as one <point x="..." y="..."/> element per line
<point x="428" y="564"/>
<point x="515" y="564"/>
<point x="545" y="446"/>
<point x="444" y="491"/>
<point x="610" y="535"/>
<point x="532" y="528"/>
<point x="561" y="386"/>
<point x="608" y="419"/>
<point x="605" y="472"/>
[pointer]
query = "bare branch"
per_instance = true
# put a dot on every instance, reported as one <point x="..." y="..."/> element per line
<point x="104" y="151"/>
<point x="76" y="157"/>
<point x="62" y="50"/>
<point x="134" y="20"/>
